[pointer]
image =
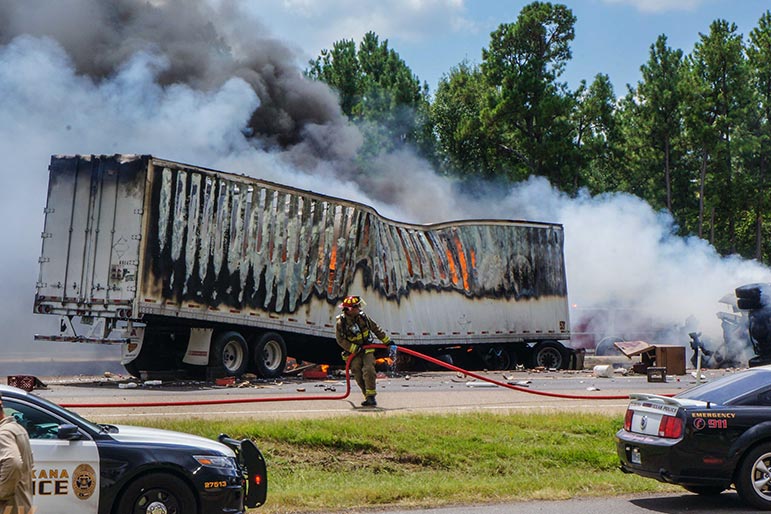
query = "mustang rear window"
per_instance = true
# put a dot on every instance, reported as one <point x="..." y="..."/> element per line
<point x="727" y="389"/>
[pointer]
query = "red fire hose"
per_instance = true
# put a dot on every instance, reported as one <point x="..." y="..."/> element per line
<point x="506" y="385"/>
<point x="348" y="389"/>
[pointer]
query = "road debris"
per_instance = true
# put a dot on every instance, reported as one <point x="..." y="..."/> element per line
<point x="480" y="384"/>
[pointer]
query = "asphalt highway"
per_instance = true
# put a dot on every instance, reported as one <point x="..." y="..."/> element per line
<point x="726" y="503"/>
<point x="436" y="392"/>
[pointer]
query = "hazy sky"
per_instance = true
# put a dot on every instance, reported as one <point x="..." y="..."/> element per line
<point x="432" y="36"/>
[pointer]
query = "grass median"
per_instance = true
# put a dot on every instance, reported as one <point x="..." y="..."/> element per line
<point x="329" y="465"/>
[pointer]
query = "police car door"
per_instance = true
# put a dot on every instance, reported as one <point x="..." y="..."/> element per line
<point x="66" y="473"/>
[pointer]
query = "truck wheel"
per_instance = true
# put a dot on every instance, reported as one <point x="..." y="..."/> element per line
<point x="270" y="355"/>
<point x="549" y="354"/>
<point x="230" y="353"/>
<point x="753" y="478"/>
<point x="157" y="492"/>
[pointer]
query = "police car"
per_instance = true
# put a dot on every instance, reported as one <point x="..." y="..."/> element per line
<point x="706" y="439"/>
<point x="83" y="468"/>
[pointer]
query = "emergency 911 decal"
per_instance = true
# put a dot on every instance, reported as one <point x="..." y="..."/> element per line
<point x="711" y="420"/>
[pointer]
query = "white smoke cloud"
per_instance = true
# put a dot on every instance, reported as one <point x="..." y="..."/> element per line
<point x="45" y="109"/>
<point x="622" y="254"/>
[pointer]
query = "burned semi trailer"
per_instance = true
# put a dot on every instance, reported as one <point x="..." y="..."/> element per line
<point x="191" y="267"/>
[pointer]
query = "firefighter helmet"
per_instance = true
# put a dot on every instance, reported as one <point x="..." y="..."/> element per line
<point x="352" y="301"/>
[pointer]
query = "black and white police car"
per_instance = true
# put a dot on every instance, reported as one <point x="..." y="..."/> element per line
<point x="82" y="467"/>
<point x="705" y="439"/>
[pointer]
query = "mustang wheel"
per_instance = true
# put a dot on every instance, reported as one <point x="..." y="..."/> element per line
<point x="753" y="479"/>
<point x="157" y="493"/>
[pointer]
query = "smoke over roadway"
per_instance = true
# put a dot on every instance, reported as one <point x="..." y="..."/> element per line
<point x="204" y="82"/>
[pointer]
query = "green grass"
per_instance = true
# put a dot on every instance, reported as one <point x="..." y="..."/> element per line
<point x="323" y="465"/>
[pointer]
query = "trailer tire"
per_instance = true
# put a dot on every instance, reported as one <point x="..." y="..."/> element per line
<point x="269" y="355"/>
<point x="229" y="353"/>
<point x="550" y="354"/>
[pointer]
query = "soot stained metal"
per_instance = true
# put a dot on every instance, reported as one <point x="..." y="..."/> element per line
<point x="245" y="243"/>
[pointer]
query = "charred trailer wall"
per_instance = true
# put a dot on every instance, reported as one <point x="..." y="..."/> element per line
<point x="236" y="245"/>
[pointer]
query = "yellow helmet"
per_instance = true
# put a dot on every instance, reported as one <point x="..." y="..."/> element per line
<point x="352" y="301"/>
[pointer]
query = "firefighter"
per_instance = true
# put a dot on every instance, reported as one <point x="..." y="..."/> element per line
<point x="353" y="330"/>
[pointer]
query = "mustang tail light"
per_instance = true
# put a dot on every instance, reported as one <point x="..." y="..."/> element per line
<point x="628" y="420"/>
<point x="671" y="427"/>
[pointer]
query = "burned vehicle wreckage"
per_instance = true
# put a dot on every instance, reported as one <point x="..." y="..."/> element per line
<point x="756" y="299"/>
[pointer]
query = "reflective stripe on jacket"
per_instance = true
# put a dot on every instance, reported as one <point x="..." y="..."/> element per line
<point x="351" y="333"/>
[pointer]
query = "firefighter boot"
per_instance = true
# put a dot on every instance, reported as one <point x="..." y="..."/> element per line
<point x="369" y="402"/>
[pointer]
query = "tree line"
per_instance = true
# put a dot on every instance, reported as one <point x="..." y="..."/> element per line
<point x="692" y="137"/>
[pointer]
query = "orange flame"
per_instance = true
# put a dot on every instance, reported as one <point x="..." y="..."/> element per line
<point x="332" y="267"/>
<point x="462" y="259"/>
<point x="406" y="254"/>
<point x="453" y="270"/>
